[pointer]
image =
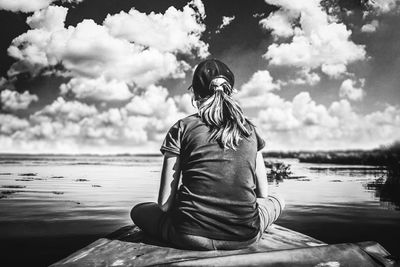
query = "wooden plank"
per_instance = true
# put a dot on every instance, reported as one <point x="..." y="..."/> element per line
<point x="344" y="255"/>
<point x="128" y="246"/>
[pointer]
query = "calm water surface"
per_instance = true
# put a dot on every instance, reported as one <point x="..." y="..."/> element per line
<point x="53" y="206"/>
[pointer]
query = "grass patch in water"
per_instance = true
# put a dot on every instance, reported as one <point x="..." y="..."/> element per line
<point x="25" y="180"/>
<point x="13" y="186"/>
<point x="82" y="180"/>
<point x="28" y="174"/>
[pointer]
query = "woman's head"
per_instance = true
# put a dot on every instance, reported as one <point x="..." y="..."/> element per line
<point x="213" y="87"/>
<point x="205" y="72"/>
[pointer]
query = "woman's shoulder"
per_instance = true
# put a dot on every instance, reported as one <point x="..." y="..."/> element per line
<point x="186" y="122"/>
<point x="193" y="118"/>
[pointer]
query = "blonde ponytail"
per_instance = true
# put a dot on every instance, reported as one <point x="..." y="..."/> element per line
<point x="224" y="115"/>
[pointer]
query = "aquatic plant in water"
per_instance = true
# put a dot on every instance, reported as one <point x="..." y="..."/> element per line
<point x="278" y="171"/>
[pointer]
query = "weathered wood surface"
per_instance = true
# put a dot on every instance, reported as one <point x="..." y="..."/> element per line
<point x="130" y="247"/>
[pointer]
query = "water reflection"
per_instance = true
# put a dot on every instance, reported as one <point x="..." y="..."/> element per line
<point x="352" y="171"/>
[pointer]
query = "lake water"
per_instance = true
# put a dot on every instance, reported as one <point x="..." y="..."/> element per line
<point x="51" y="206"/>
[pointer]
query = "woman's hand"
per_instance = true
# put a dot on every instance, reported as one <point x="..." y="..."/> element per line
<point x="170" y="175"/>
<point x="261" y="177"/>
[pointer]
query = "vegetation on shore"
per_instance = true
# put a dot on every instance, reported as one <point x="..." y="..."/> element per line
<point x="384" y="156"/>
<point x="374" y="157"/>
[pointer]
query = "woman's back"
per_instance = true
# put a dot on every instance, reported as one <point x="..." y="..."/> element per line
<point x="216" y="198"/>
<point x="223" y="200"/>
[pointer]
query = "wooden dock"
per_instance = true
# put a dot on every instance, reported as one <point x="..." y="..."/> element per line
<point x="279" y="246"/>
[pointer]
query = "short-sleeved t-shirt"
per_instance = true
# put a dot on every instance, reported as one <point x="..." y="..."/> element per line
<point x="216" y="198"/>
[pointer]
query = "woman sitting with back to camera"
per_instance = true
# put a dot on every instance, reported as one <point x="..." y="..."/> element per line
<point x="223" y="201"/>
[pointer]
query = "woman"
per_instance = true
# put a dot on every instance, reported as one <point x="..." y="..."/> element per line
<point x="223" y="201"/>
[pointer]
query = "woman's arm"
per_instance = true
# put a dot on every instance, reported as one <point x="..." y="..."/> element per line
<point x="261" y="177"/>
<point x="170" y="176"/>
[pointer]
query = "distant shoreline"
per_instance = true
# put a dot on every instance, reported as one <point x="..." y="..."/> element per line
<point x="274" y="153"/>
<point x="385" y="156"/>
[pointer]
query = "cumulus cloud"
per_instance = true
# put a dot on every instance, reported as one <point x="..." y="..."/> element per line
<point x="88" y="50"/>
<point x="173" y="31"/>
<point x="349" y="90"/>
<point x="28" y="5"/>
<point x="302" y="111"/>
<point x="97" y="89"/>
<point x="152" y="102"/>
<point x="76" y="127"/>
<point x="370" y="27"/>
<point x="260" y="82"/>
<point x="49" y="19"/>
<point x="303" y="124"/>
<point x="383" y="6"/>
<point x="24" y="5"/>
<point x="255" y="92"/>
<point x="305" y="76"/>
<point x="318" y="41"/>
<point x="65" y="110"/>
<point x="105" y="62"/>
<point x="112" y="55"/>
<point x="10" y="124"/>
<point x="184" y="104"/>
<point x="280" y="24"/>
<point x="225" y="22"/>
<point x="12" y="100"/>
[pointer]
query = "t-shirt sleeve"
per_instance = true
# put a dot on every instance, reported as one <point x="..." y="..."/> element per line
<point x="260" y="141"/>
<point x="172" y="141"/>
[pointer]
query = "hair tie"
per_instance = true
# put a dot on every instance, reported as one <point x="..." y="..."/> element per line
<point x="216" y="84"/>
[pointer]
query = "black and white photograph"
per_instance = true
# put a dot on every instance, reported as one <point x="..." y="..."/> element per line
<point x="199" y="133"/>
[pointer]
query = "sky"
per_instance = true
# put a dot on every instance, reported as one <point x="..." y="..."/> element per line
<point x="101" y="76"/>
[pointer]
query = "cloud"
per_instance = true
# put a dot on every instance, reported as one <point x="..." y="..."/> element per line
<point x="184" y="104"/>
<point x="129" y="50"/>
<point x="12" y="100"/>
<point x="24" y="5"/>
<point x="255" y="92"/>
<point x="370" y="27"/>
<point x="76" y="127"/>
<point x="174" y="31"/>
<point x="348" y="90"/>
<point x="28" y="5"/>
<point x="280" y="23"/>
<point x="65" y="111"/>
<point x="163" y="111"/>
<point x="304" y="76"/>
<point x="49" y="19"/>
<point x="97" y="89"/>
<point x="302" y="111"/>
<point x="383" y="6"/>
<point x="304" y="124"/>
<point x="9" y="124"/>
<point x="105" y="63"/>
<point x="225" y="22"/>
<point x="318" y="40"/>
